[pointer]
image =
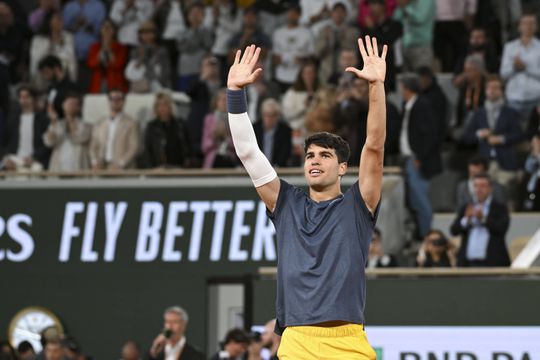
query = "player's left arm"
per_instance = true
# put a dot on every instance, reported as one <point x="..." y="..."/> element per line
<point x="371" y="160"/>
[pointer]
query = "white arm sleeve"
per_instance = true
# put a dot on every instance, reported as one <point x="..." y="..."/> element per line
<point x="245" y="143"/>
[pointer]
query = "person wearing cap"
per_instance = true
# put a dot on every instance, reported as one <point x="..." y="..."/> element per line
<point x="235" y="345"/>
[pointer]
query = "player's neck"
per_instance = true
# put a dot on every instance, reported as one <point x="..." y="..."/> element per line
<point x="324" y="194"/>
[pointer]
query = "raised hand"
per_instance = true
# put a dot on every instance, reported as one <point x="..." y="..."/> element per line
<point x="241" y="72"/>
<point x="374" y="65"/>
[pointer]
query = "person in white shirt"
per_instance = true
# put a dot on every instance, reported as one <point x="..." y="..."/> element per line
<point x="520" y="68"/>
<point x="292" y="45"/>
<point x="128" y="15"/>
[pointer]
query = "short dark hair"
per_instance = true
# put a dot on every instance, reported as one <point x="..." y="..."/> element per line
<point x="24" y="347"/>
<point x="425" y="71"/>
<point x="50" y="62"/>
<point x="484" y="176"/>
<point x="410" y="82"/>
<point x="116" y="90"/>
<point x="479" y="160"/>
<point x="330" y="141"/>
<point x="495" y="78"/>
<point x="28" y="88"/>
<point x="237" y="336"/>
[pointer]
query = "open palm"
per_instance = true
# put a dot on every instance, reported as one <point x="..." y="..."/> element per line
<point x="374" y="65"/>
<point x="241" y="72"/>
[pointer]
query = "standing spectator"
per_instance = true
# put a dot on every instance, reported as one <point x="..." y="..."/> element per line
<point x="387" y="31"/>
<point x="235" y="345"/>
<point x="106" y="61"/>
<point x="26" y="351"/>
<point x="115" y="139"/>
<point x="520" y="68"/>
<point x="128" y="16"/>
<point x="148" y="69"/>
<point x="482" y="226"/>
<point x="217" y="145"/>
<point x="173" y="344"/>
<point x="37" y="16"/>
<point x="453" y="20"/>
<point x="366" y="18"/>
<point x="292" y="44"/>
<point x="481" y="46"/>
<point x="273" y="134"/>
<point x="68" y="138"/>
<point x="531" y="183"/>
<point x="347" y="58"/>
<point x="250" y="34"/>
<point x="376" y="257"/>
<point x="333" y="37"/>
<point x="53" y="40"/>
<point x="166" y="138"/>
<point x="495" y="129"/>
<point x="131" y="351"/>
<point x="471" y="86"/>
<point x="430" y="89"/>
<point x="465" y="189"/>
<point x="58" y="81"/>
<point x="25" y="148"/>
<point x="417" y="17"/>
<point x="170" y="20"/>
<point x="193" y="45"/>
<point x="420" y="146"/>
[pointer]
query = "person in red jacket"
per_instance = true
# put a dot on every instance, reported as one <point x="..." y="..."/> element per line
<point x="106" y="61"/>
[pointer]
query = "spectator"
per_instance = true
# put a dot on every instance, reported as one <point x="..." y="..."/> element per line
<point x="366" y="18"/>
<point x="319" y="114"/>
<point x="58" y="82"/>
<point x="193" y="45"/>
<point x="115" y="139"/>
<point x="531" y="183"/>
<point x="521" y="69"/>
<point x="217" y="145"/>
<point x="297" y="100"/>
<point x="166" y="138"/>
<point x="106" y="61"/>
<point x="259" y="91"/>
<point x="250" y="34"/>
<point x="332" y="38"/>
<point x="170" y="20"/>
<point x="53" y="350"/>
<point x="436" y="251"/>
<point x="235" y="345"/>
<point x="128" y="16"/>
<point x="292" y="44"/>
<point x="68" y="138"/>
<point x="173" y="344"/>
<point x="495" y="129"/>
<point x="420" y="146"/>
<point x="313" y="12"/>
<point x="465" y="189"/>
<point x="347" y="58"/>
<point x="26" y="150"/>
<point x="387" y="31"/>
<point x="148" y="69"/>
<point x="479" y="45"/>
<point x="53" y="40"/>
<point x="377" y="258"/>
<point x="431" y="90"/>
<point x="25" y="351"/>
<point x="131" y="351"/>
<point x="453" y="20"/>
<point x="273" y="134"/>
<point x="471" y="86"/>
<point x="270" y="340"/>
<point x="482" y="226"/>
<point x="37" y="17"/>
<point x="417" y="17"/>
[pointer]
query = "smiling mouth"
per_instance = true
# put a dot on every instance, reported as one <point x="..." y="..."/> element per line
<point x="315" y="172"/>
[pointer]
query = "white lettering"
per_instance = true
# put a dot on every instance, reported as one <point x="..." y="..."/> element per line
<point x="239" y="229"/>
<point x="69" y="230"/>
<point x="220" y="208"/>
<point x="264" y="236"/>
<point x="22" y="237"/>
<point x="113" y="222"/>
<point x="149" y="226"/>
<point x="2" y="228"/>
<point x="173" y="231"/>
<point x="199" y="208"/>
<point x="88" y="254"/>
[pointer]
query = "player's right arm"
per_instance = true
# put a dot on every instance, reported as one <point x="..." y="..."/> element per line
<point x="263" y="175"/>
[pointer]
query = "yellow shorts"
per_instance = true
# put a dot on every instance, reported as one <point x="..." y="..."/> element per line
<point x="344" y="342"/>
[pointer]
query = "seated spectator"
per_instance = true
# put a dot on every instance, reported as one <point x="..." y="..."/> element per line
<point x="531" y="183"/>
<point x="521" y="69"/>
<point x="128" y="16"/>
<point x="332" y="38"/>
<point x="166" y="138"/>
<point x="26" y="351"/>
<point x="193" y="45"/>
<point x="38" y="15"/>
<point x="217" y="144"/>
<point x="430" y="89"/>
<point x="130" y="351"/>
<point x="465" y="190"/>
<point x="471" y="85"/>
<point x="25" y="148"/>
<point x="58" y="82"/>
<point x="292" y="44"/>
<point x="377" y="258"/>
<point x="482" y="226"/>
<point x="250" y="34"/>
<point x="436" y="251"/>
<point x="68" y="137"/>
<point x="53" y="40"/>
<point x="273" y="134"/>
<point x="235" y="345"/>
<point x="115" y="139"/>
<point x="496" y="129"/>
<point x="175" y="345"/>
<point x="148" y="69"/>
<point x="479" y="45"/>
<point x="271" y="341"/>
<point x="106" y="61"/>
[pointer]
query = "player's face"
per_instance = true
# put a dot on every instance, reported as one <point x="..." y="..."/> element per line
<point x="322" y="168"/>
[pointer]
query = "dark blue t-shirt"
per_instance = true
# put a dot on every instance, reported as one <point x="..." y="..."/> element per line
<point x="322" y="253"/>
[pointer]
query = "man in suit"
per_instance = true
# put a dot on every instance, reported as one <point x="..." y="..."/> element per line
<point x="482" y="226"/>
<point x="273" y="134"/>
<point x="172" y="343"/>
<point x="420" y="145"/>
<point x="115" y="139"/>
<point x="25" y="148"/>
